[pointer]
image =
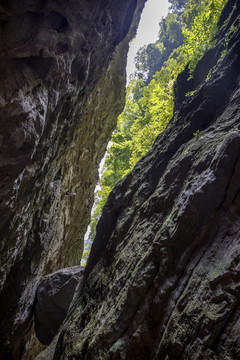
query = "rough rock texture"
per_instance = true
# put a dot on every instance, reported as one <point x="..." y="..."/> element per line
<point x="163" y="277"/>
<point x="54" y="295"/>
<point x="62" y="73"/>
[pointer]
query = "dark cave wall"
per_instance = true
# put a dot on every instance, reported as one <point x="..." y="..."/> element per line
<point x="163" y="277"/>
<point x="62" y="86"/>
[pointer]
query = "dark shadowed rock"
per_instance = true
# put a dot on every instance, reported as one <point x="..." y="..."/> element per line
<point x="53" y="298"/>
<point x="163" y="277"/>
<point x="62" y="74"/>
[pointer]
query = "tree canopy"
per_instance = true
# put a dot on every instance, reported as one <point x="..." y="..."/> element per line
<point x="150" y="58"/>
<point x="177" y="5"/>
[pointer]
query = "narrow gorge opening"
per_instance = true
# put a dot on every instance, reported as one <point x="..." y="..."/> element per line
<point x="147" y="33"/>
<point x="184" y="32"/>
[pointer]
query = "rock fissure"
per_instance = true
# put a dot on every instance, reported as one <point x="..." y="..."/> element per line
<point x="177" y="212"/>
<point x="162" y="280"/>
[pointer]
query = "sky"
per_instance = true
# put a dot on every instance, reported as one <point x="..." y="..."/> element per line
<point x="148" y="29"/>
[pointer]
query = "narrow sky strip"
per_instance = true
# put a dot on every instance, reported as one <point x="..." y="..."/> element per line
<point x="148" y="29"/>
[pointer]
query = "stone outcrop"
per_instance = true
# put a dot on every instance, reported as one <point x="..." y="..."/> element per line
<point x="62" y="86"/>
<point x="163" y="277"/>
<point x="54" y="295"/>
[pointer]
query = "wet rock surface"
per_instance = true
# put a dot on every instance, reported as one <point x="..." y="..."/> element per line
<point x="53" y="298"/>
<point x="62" y="86"/>
<point x="163" y="277"/>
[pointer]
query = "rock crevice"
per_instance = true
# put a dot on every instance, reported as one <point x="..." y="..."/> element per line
<point x="162" y="280"/>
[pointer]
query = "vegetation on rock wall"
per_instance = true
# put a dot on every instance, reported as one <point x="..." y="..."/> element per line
<point x="185" y="35"/>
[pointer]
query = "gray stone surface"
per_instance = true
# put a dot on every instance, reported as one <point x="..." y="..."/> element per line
<point x="163" y="277"/>
<point x="53" y="298"/>
<point x="62" y="73"/>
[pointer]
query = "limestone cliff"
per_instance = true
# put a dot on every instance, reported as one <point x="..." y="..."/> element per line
<point x="62" y="71"/>
<point x="163" y="277"/>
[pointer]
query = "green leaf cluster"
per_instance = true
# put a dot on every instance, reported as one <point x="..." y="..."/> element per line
<point x="200" y="34"/>
<point x="184" y="37"/>
<point x="150" y="58"/>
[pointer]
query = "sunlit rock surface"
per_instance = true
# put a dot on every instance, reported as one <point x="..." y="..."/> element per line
<point x="62" y="73"/>
<point x="163" y="277"/>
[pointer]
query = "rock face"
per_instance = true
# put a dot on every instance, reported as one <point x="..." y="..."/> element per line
<point x="163" y="277"/>
<point x="53" y="298"/>
<point x="62" y="86"/>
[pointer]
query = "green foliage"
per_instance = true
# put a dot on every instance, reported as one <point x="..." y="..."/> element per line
<point x="191" y="10"/>
<point x="150" y="101"/>
<point x="170" y="33"/>
<point x="233" y="28"/>
<point x="151" y="58"/>
<point x="100" y="200"/>
<point x="138" y="126"/>
<point x="190" y="93"/>
<point x="196" y="134"/>
<point x="199" y="36"/>
<point x="85" y="256"/>
<point x="177" y="5"/>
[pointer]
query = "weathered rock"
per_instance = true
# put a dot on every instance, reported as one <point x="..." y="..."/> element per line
<point x="163" y="277"/>
<point x="62" y="72"/>
<point x="53" y="298"/>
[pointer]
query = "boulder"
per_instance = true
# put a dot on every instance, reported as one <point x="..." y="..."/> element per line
<point x="53" y="298"/>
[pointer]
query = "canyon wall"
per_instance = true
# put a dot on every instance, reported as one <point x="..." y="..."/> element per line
<point x="163" y="277"/>
<point x="62" y="86"/>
